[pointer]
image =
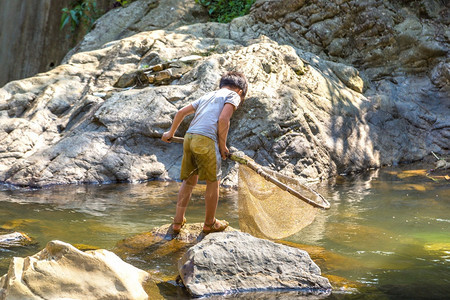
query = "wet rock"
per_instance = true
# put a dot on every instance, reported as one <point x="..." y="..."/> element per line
<point x="62" y="271"/>
<point x="160" y="246"/>
<point x="190" y="233"/>
<point x="14" y="239"/>
<point x="145" y="247"/>
<point x="162" y="240"/>
<point x="235" y="262"/>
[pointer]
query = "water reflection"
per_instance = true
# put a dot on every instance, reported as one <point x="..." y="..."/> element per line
<point x="96" y="199"/>
<point x="385" y="236"/>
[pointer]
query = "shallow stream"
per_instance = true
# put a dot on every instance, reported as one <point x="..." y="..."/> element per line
<point x="386" y="236"/>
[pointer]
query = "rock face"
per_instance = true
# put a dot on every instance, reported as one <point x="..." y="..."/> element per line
<point x="235" y="262"/>
<point x="383" y="37"/>
<point x="61" y="271"/>
<point x="333" y="89"/>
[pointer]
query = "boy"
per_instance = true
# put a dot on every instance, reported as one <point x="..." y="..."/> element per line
<point x="204" y="146"/>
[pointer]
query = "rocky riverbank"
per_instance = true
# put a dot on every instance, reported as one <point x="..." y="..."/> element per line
<point x="219" y="264"/>
<point x="335" y="87"/>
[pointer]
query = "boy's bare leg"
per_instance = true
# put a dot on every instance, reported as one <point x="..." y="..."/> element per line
<point x="211" y="200"/>
<point x="184" y="195"/>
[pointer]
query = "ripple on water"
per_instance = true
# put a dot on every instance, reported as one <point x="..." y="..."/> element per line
<point x="385" y="235"/>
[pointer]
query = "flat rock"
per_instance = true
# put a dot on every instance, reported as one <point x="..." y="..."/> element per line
<point x="236" y="262"/>
<point x="190" y="233"/>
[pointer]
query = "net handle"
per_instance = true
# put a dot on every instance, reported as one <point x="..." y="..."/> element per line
<point x="262" y="173"/>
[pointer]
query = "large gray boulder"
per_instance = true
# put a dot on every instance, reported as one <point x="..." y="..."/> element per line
<point x="236" y="262"/>
<point x="60" y="271"/>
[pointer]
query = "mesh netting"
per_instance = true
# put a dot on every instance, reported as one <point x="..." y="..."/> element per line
<point x="266" y="210"/>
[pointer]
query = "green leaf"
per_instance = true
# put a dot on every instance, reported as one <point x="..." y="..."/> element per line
<point x="64" y="20"/>
<point x="74" y="16"/>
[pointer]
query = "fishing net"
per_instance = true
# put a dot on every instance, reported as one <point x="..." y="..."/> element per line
<point x="268" y="211"/>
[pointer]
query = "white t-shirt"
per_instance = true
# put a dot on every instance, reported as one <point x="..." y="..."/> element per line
<point x="208" y="109"/>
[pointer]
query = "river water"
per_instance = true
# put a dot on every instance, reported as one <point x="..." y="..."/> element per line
<point x="386" y="236"/>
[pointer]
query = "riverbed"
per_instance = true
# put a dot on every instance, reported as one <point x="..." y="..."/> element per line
<point x="386" y="235"/>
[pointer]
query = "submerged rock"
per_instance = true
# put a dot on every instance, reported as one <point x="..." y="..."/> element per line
<point x="236" y="262"/>
<point x="61" y="271"/>
<point x="16" y="224"/>
<point x="14" y="239"/>
<point x="328" y="261"/>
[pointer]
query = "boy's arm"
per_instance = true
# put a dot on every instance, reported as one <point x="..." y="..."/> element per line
<point x="223" y="126"/>
<point x="180" y="115"/>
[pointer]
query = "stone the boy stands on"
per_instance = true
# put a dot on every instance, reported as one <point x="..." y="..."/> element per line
<point x="204" y="146"/>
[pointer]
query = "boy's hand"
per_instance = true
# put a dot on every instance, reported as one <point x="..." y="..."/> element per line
<point x="166" y="137"/>
<point x="224" y="152"/>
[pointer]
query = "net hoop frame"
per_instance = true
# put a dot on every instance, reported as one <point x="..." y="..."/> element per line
<point x="260" y="171"/>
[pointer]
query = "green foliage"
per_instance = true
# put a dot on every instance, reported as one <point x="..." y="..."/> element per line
<point x="78" y="13"/>
<point x="223" y="11"/>
<point x="85" y="12"/>
<point x="124" y="2"/>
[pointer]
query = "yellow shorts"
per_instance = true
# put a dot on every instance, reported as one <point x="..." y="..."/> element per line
<point x="201" y="157"/>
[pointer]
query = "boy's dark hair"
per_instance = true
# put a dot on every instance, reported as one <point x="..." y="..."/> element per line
<point x="234" y="79"/>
